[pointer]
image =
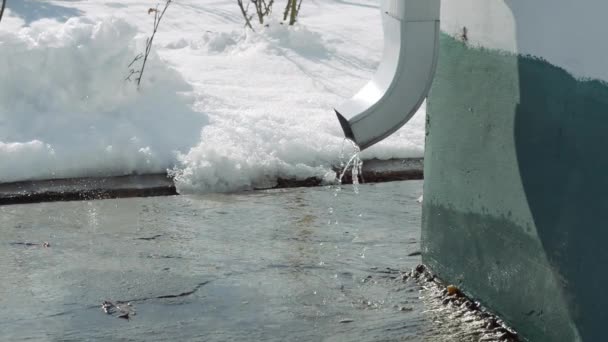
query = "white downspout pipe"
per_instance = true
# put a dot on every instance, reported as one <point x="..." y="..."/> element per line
<point x="403" y="79"/>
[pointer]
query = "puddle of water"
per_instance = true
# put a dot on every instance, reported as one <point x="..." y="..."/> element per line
<point x="254" y="266"/>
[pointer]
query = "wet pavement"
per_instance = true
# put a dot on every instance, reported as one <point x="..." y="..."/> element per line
<point x="306" y="264"/>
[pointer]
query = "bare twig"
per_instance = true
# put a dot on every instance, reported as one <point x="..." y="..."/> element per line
<point x="245" y="14"/>
<point x="286" y="12"/>
<point x="157" y="19"/>
<point x="131" y="73"/>
<point x="263" y="8"/>
<point x="294" y="12"/>
<point x="138" y="57"/>
<point x="2" y="9"/>
<point x="292" y="9"/>
<point x="158" y="16"/>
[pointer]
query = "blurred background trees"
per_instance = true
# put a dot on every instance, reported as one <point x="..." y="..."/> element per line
<point x="292" y="9"/>
<point x="263" y="9"/>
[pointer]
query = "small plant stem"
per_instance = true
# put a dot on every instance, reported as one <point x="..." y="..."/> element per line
<point x="2" y="9"/>
<point x="157" y="19"/>
<point x="245" y="15"/>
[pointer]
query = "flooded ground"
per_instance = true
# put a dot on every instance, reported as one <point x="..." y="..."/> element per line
<point x="308" y="264"/>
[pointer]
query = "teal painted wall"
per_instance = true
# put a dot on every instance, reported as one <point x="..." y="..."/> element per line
<point x="516" y="189"/>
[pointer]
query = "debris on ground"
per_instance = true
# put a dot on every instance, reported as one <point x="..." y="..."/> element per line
<point x="118" y="310"/>
<point x="453" y="304"/>
<point x="45" y="244"/>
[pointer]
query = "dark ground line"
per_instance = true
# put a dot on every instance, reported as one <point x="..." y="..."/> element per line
<point x="149" y="185"/>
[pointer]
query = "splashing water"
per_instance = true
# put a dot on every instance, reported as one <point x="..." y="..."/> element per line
<point x="355" y="163"/>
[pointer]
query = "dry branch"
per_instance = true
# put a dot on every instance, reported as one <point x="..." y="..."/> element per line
<point x="158" y="16"/>
<point x="263" y="8"/>
<point x="244" y="12"/>
<point x="2" y="9"/>
<point x="292" y="9"/>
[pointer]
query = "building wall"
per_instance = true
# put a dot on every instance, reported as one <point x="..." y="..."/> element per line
<point x="515" y="198"/>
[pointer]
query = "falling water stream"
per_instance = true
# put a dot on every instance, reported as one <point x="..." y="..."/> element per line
<point x="354" y="163"/>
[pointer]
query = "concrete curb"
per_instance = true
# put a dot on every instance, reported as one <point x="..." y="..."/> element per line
<point x="148" y="185"/>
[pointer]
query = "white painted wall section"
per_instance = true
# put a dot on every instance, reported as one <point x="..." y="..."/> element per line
<point x="569" y="34"/>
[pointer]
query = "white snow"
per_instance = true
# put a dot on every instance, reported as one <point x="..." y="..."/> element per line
<point x="221" y="107"/>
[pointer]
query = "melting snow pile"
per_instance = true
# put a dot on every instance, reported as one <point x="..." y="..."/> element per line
<point x="220" y="108"/>
<point x="66" y="110"/>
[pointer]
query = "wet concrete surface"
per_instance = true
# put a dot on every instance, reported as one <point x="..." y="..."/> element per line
<point x="306" y="264"/>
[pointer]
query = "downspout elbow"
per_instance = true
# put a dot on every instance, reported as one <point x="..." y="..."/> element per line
<point x="402" y="81"/>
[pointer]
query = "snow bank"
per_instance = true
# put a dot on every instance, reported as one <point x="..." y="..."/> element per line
<point x="274" y="132"/>
<point x="66" y="111"/>
<point x="240" y="155"/>
<point x="283" y="124"/>
<point x="272" y="39"/>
